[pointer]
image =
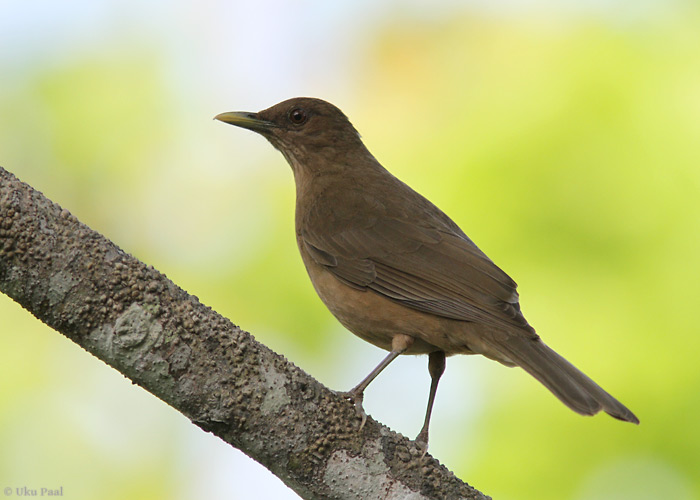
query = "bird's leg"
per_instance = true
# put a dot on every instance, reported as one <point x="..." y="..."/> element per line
<point x="356" y="394"/>
<point x="399" y="344"/>
<point x="436" y="367"/>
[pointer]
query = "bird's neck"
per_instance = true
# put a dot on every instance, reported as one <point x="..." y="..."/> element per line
<point x="322" y="177"/>
<point x="315" y="166"/>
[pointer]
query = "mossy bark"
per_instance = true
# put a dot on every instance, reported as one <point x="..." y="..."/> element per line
<point x="136" y="320"/>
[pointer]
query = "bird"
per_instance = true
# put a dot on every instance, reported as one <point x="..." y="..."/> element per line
<point x="395" y="270"/>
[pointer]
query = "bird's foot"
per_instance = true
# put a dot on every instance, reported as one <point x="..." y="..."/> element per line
<point x="422" y="442"/>
<point x="355" y="397"/>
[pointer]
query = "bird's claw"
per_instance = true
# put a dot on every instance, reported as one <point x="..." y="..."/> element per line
<point x="356" y="399"/>
<point x="422" y="442"/>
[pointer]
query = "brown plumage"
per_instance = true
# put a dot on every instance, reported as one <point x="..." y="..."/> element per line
<point x="397" y="271"/>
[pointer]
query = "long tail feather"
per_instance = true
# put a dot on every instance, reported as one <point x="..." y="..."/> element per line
<point x="575" y="389"/>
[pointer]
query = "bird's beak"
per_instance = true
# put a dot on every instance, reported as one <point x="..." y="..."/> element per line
<point x="245" y="120"/>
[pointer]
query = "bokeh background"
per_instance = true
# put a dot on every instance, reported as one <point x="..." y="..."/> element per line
<point x="563" y="137"/>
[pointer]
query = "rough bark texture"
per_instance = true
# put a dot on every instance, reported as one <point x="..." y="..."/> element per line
<point x="136" y="320"/>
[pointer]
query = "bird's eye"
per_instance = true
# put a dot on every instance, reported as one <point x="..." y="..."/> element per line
<point x="297" y="116"/>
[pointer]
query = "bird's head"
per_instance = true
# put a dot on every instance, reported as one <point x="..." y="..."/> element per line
<point x="304" y="129"/>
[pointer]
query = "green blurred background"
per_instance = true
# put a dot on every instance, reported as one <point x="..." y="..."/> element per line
<point x="563" y="137"/>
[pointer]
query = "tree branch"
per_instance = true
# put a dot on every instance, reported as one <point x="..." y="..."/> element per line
<point x="136" y="320"/>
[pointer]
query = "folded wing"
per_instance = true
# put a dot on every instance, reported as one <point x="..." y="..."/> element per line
<point x="431" y="270"/>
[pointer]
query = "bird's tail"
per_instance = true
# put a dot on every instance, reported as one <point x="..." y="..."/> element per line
<point x="575" y="389"/>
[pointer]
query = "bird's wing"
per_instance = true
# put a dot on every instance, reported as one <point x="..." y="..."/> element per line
<point x="437" y="271"/>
